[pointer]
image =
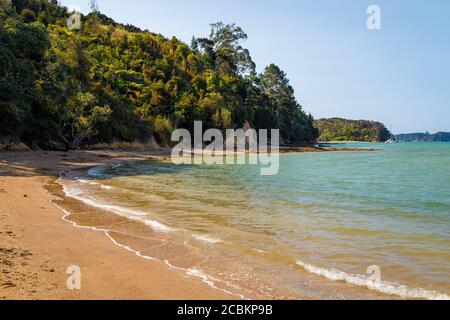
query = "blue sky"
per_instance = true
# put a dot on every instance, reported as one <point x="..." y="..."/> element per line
<point x="399" y="75"/>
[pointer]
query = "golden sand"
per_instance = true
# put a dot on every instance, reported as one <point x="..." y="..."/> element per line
<point x="37" y="245"/>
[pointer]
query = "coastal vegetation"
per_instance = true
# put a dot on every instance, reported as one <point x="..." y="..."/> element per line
<point x="337" y="129"/>
<point x="66" y="89"/>
<point x="424" y="137"/>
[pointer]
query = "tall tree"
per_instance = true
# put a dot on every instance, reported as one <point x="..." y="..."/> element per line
<point x="293" y="123"/>
<point x="194" y="44"/>
<point x="224" y="51"/>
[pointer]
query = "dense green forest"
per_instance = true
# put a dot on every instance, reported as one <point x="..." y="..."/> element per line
<point x="112" y="82"/>
<point x="337" y="129"/>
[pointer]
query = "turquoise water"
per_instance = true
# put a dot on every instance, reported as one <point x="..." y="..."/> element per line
<point x="311" y="231"/>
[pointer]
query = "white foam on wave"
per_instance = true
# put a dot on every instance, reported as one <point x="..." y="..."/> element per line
<point x="76" y="193"/>
<point x="385" y="287"/>
<point x="155" y="225"/>
<point x="206" y="238"/>
<point x="136" y="215"/>
<point x="84" y="181"/>
<point x="98" y="170"/>
<point x="260" y="251"/>
<point x="92" y="183"/>
<point x="210" y="281"/>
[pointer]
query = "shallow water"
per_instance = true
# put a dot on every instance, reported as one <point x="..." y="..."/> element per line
<point x="311" y="231"/>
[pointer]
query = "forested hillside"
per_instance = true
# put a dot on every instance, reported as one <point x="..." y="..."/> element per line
<point x="107" y="82"/>
<point x="337" y="129"/>
<point x="424" y="137"/>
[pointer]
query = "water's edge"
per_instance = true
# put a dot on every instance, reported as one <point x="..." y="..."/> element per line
<point x="388" y="288"/>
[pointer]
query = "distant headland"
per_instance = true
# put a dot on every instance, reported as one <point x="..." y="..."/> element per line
<point x="338" y="129"/>
<point x="423" y="137"/>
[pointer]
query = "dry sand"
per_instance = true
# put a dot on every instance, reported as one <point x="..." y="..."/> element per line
<point x="37" y="245"/>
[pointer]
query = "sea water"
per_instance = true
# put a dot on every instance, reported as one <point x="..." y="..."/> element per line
<point x="343" y="225"/>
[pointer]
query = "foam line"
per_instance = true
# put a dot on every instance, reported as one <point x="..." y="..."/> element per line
<point x="385" y="287"/>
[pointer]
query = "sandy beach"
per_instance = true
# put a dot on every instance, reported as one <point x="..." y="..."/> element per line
<point x="37" y="245"/>
<point x="43" y="233"/>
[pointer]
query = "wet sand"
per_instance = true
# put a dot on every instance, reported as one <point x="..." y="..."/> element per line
<point x="37" y="245"/>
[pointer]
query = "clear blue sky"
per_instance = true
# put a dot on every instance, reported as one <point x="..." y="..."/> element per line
<point x="399" y="75"/>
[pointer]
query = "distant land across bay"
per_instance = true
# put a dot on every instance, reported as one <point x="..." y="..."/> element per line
<point x="423" y="137"/>
<point x="338" y="129"/>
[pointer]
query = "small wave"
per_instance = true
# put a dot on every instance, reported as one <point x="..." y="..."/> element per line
<point x="95" y="172"/>
<point x="157" y="226"/>
<point x="209" y="280"/>
<point x="76" y="194"/>
<point x="99" y="171"/>
<point x="90" y="182"/>
<point x="206" y="238"/>
<point x="260" y="251"/>
<point x="385" y="287"/>
<point x="84" y="181"/>
<point x="197" y="273"/>
<point x="136" y="215"/>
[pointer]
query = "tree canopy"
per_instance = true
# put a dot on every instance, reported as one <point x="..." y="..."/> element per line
<point x="110" y="81"/>
<point x="337" y="129"/>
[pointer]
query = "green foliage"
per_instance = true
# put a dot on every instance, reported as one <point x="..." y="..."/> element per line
<point x="424" y="137"/>
<point x="22" y="48"/>
<point x="295" y="126"/>
<point x="337" y="129"/>
<point x="110" y="82"/>
<point x="163" y="129"/>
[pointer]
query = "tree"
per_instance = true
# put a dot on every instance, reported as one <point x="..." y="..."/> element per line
<point x="337" y="129"/>
<point x="22" y="47"/>
<point x="80" y="118"/>
<point x="223" y="49"/>
<point x="293" y="123"/>
<point x="194" y="44"/>
<point x="111" y="81"/>
<point x="28" y="15"/>
<point x="93" y="5"/>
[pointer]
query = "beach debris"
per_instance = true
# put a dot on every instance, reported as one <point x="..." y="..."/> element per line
<point x="7" y="262"/>
<point x="8" y="284"/>
<point x="26" y="254"/>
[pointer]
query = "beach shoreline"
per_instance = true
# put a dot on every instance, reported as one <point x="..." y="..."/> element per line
<point x="37" y="245"/>
<point x="39" y="241"/>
